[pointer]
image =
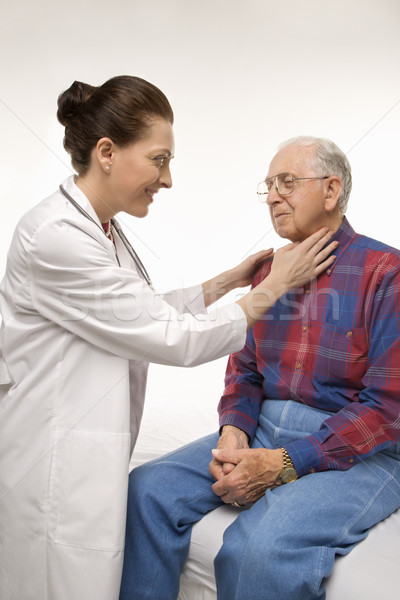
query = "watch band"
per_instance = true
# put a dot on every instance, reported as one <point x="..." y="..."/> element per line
<point x="288" y="472"/>
<point x="287" y="461"/>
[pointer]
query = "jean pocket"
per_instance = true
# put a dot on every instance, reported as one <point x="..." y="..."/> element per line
<point x="393" y="451"/>
<point x="88" y="489"/>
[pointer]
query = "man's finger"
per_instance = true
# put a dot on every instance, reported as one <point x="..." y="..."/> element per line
<point x="227" y="456"/>
<point x="227" y="468"/>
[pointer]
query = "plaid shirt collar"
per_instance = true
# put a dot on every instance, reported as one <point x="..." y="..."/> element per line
<point x="344" y="235"/>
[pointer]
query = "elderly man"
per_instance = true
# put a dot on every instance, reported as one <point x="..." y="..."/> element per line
<point x="309" y="419"/>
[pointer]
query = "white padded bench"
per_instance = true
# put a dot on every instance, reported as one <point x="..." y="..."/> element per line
<point x="368" y="572"/>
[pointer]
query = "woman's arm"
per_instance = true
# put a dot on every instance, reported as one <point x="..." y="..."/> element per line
<point x="293" y="266"/>
<point x="239" y="276"/>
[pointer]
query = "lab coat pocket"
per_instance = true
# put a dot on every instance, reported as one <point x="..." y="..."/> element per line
<point x="88" y="489"/>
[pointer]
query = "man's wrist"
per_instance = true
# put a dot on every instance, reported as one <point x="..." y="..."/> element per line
<point x="226" y="429"/>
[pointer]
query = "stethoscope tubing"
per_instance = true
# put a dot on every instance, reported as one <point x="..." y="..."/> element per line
<point x="132" y="253"/>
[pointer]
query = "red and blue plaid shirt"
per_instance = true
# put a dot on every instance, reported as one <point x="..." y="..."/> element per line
<point x="333" y="345"/>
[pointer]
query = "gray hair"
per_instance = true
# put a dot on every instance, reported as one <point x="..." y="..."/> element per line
<point x="329" y="160"/>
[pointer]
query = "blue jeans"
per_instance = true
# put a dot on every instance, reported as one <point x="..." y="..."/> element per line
<point x="282" y="547"/>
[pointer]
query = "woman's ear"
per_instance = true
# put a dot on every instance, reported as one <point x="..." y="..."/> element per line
<point x="104" y="153"/>
<point x="333" y="191"/>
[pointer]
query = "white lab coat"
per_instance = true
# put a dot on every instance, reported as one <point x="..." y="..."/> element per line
<point x="78" y="332"/>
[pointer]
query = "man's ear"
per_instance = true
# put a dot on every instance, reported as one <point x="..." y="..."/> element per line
<point x="333" y="190"/>
<point x="104" y="153"/>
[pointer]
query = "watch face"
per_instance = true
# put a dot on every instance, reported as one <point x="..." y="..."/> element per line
<point x="289" y="474"/>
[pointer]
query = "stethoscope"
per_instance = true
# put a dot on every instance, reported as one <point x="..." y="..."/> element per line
<point x="132" y="253"/>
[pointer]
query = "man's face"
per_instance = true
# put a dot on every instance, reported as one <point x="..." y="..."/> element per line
<point x="300" y="214"/>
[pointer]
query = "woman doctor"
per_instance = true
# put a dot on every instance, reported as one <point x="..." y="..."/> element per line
<point x="80" y="323"/>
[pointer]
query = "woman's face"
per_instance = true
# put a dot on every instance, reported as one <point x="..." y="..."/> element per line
<point x="138" y="171"/>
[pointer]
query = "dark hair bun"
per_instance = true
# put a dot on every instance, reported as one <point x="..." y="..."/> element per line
<point x="121" y="109"/>
<point x="71" y="101"/>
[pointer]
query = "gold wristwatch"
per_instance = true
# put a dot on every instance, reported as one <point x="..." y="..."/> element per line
<point x="288" y="472"/>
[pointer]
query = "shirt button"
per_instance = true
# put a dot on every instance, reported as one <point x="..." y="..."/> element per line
<point x="349" y="334"/>
<point x="298" y="365"/>
<point x="329" y="271"/>
<point x="312" y="470"/>
<point x="307" y="291"/>
<point x="305" y="328"/>
<point x="351" y="460"/>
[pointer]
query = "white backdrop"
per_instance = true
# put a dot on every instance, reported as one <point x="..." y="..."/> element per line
<point x="242" y="76"/>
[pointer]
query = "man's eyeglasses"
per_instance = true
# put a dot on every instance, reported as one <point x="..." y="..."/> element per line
<point x="284" y="184"/>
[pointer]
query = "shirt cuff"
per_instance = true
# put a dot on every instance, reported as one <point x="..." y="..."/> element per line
<point x="234" y="314"/>
<point x="187" y="300"/>
<point x="239" y="420"/>
<point x="306" y="455"/>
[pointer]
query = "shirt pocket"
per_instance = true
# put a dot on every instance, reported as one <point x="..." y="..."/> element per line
<point x="88" y="489"/>
<point x="342" y="355"/>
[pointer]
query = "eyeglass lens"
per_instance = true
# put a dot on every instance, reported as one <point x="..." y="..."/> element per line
<point x="284" y="182"/>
